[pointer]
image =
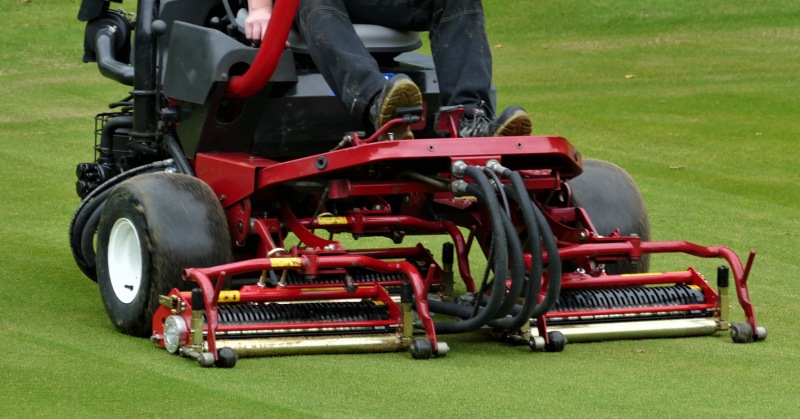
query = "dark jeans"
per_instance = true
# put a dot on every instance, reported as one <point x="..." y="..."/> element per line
<point x="458" y="42"/>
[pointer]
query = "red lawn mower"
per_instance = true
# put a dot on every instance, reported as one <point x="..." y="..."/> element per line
<point x="221" y="185"/>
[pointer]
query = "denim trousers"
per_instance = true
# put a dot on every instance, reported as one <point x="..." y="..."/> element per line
<point x="458" y="40"/>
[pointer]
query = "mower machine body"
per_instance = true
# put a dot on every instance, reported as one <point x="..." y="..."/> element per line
<point x="221" y="185"/>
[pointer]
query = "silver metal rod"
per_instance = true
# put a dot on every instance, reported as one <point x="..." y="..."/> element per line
<point x="636" y="329"/>
<point x="313" y="345"/>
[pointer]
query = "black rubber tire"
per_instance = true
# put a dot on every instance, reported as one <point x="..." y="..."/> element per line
<point x="742" y="332"/>
<point x="556" y="342"/>
<point x="613" y="201"/>
<point x="421" y="348"/>
<point x="177" y="222"/>
<point x="226" y="358"/>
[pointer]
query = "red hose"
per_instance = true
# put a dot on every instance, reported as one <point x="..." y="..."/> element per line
<point x="269" y="53"/>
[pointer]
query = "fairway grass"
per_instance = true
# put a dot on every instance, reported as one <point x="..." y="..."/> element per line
<point x="698" y="100"/>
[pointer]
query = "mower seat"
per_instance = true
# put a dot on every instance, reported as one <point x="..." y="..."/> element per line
<point x="296" y="114"/>
<point x="377" y="39"/>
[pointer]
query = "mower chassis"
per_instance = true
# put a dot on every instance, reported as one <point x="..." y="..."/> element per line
<point x="236" y="177"/>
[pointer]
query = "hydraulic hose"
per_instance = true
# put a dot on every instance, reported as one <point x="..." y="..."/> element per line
<point x="517" y="269"/>
<point x="500" y="258"/>
<point x="500" y="190"/>
<point x="177" y="155"/>
<point x="522" y="315"/>
<point x="76" y="231"/>
<point x="89" y="206"/>
<point x="534" y="279"/>
<point x="87" y="236"/>
<point x="537" y="227"/>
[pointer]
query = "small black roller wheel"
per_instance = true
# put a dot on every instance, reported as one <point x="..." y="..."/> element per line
<point x="761" y="333"/>
<point x="421" y="348"/>
<point x="741" y="332"/>
<point x="556" y="342"/>
<point x="226" y="358"/>
<point x="152" y="227"/>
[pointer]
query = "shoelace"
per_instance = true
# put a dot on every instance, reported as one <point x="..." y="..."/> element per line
<point x="471" y="126"/>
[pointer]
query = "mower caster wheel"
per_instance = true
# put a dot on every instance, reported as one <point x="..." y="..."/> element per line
<point x="557" y="342"/>
<point x="741" y="332"/>
<point x="226" y="358"/>
<point x="443" y="350"/>
<point x="761" y="333"/>
<point x="537" y="343"/>
<point x="421" y="348"/>
<point x="205" y="359"/>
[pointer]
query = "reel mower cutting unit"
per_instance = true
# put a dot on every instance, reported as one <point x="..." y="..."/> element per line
<point x="212" y="214"/>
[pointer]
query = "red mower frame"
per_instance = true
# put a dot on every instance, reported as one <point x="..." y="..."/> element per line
<point x="450" y="187"/>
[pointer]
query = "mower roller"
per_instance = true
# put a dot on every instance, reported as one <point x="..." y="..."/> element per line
<point x="211" y="215"/>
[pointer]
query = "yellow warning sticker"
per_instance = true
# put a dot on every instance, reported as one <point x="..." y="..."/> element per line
<point x="329" y="221"/>
<point x="228" y="297"/>
<point x="323" y="289"/>
<point x="285" y="262"/>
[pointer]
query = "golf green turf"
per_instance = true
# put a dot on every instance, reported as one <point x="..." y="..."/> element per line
<point x="698" y="100"/>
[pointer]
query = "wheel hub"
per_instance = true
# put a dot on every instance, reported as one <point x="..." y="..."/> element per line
<point x="125" y="260"/>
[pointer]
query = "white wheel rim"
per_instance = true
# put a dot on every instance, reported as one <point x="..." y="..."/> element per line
<point x="125" y="260"/>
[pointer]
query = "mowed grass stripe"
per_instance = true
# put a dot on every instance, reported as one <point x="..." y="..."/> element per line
<point x="709" y="76"/>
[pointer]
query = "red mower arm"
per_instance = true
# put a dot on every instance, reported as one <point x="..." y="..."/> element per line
<point x="269" y="53"/>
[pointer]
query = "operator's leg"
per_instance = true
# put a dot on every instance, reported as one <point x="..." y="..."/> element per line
<point x="350" y="70"/>
<point x="337" y="51"/>
<point x="463" y="61"/>
<point x="461" y="54"/>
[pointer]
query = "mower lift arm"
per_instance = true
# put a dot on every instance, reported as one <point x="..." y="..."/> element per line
<point x="269" y="53"/>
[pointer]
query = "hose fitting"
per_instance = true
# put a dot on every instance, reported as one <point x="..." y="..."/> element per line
<point x="458" y="169"/>
<point x="459" y="187"/>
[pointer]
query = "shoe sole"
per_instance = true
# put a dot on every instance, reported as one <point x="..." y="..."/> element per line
<point x="402" y="93"/>
<point x="517" y="123"/>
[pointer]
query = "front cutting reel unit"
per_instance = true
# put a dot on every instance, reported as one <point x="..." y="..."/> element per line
<point x="234" y="209"/>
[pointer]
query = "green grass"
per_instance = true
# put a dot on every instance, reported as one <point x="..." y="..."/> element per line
<point x="708" y="127"/>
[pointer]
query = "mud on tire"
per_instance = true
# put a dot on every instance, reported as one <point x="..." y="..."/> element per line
<point x="152" y="227"/>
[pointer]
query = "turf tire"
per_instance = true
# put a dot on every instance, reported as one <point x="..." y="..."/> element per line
<point x="612" y="200"/>
<point x="152" y="227"/>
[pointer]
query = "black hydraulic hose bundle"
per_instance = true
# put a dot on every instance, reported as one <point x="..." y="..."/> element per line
<point x="491" y="308"/>
<point x="509" y="315"/>
<point x="84" y="222"/>
<point x="517" y="273"/>
<point x="537" y="227"/>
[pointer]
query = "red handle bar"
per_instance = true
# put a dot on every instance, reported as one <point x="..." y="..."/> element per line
<point x="269" y="53"/>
